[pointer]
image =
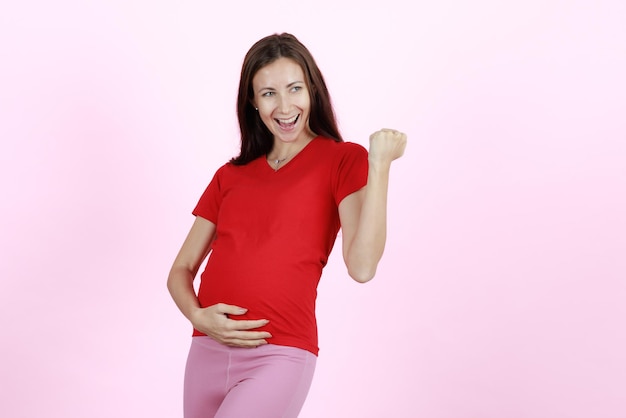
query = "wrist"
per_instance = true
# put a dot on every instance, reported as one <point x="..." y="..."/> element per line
<point x="378" y="165"/>
<point x="193" y="314"/>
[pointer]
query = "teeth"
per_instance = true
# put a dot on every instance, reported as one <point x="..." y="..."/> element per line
<point x="288" y="121"/>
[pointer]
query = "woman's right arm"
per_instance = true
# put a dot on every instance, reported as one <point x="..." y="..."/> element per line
<point x="213" y="320"/>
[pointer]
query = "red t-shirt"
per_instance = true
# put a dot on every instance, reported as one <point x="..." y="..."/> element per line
<point x="275" y="231"/>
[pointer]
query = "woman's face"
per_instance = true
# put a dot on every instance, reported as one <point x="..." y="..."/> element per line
<point x="282" y="98"/>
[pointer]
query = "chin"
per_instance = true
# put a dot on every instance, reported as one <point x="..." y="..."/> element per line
<point x="290" y="137"/>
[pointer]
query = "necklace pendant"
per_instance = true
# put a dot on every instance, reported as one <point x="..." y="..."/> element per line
<point x="276" y="162"/>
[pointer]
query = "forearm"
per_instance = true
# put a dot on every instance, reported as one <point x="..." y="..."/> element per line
<point x="180" y="286"/>
<point x="185" y="267"/>
<point x="368" y="244"/>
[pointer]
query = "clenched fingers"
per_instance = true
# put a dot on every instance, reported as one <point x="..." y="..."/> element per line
<point x="386" y="145"/>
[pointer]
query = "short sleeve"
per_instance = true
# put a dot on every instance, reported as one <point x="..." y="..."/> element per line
<point x="209" y="204"/>
<point x="351" y="174"/>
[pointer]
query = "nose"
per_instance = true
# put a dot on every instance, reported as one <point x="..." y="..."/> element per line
<point x="284" y="104"/>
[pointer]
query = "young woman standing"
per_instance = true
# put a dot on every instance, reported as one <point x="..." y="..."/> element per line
<point x="269" y="219"/>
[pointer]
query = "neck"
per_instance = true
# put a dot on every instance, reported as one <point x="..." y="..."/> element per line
<point x="281" y="151"/>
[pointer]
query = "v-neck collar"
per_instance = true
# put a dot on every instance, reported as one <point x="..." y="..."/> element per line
<point x="267" y="164"/>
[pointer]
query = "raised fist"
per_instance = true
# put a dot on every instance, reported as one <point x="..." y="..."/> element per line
<point x="386" y="145"/>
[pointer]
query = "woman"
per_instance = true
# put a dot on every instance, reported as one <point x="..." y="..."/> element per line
<point x="269" y="218"/>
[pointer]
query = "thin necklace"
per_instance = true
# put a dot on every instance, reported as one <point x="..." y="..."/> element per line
<point x="278" y="161"/>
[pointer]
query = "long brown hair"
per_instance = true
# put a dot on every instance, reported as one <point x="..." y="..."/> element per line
<point x="256" y="139"/>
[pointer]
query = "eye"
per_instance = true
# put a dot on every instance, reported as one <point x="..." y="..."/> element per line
<point x="268" y="94"/>
<point x="296" y="88"/>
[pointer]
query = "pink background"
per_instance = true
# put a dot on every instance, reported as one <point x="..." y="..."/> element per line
<point x="502" y="291"/>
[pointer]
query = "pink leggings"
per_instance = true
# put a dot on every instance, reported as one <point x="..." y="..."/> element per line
<point x="226" y="382"/>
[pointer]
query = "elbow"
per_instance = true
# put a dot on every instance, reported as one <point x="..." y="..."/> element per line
<point x="177" y="277"/>
<point x="362" y="274"/>
<point x="170" y="283"/>
<point x="362" y="269"/>
<point x="362" y="264"/>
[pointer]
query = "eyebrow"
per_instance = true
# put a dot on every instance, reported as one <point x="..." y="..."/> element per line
<point x="288" y="85"/>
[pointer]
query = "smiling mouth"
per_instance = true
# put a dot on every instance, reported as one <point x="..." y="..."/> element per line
<point x="287" y="123"/>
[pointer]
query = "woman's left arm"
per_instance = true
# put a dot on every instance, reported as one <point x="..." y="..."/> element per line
<point x="363" y="214"/>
